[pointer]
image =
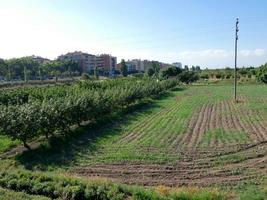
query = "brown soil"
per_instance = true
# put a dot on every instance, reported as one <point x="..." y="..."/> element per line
<point x="220" y="162"/>
<point x="203" y="171"/>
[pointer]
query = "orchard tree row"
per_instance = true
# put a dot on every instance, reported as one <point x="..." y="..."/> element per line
<point x="85" y="102"/>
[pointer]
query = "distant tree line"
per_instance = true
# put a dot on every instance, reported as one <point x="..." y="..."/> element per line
<point x="27" y="68"/>
<point x="183" y="75"/>
<point x="193" y="74"/>
<point x="228" y="73"/>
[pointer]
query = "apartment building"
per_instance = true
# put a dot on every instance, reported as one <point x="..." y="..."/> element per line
<point x="85" y="60"/>
<point x="39" y="59"/>
<point x="106" y="63"/>
<point x="137" y="65"/>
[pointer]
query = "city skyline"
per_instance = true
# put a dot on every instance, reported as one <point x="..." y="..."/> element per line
<point x="190" y="32"/>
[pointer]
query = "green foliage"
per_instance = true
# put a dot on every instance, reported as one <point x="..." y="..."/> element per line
<point x="12" y="195"/>
<point x="20" y="122"/>
<point x="85" y="76"/>
<point x="96" y="73"/>
<point x="20" y="67"/>
<point x="262" y="73"/>
<point x="59" y="108"/>
<point x="171" y="71"/>
<point x="124" y="70"/>
<point x="188" y="77"/>
<point x="253" y="193"/>
<point x="150" y="72"/>
<point x="6" y="143"/>
<point x="73" y="189"/>
<point x="27" y="67"/>
<point x="154" y="69"/>
<point x="60" y="187"/>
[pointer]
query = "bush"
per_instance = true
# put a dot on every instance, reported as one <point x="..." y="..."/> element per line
<point x="85" y="76"/>
<point x="170" y="71"/>
<point x="58" y="187"/>
<point x="188" y="77"/>
<point x="262" y="74"/>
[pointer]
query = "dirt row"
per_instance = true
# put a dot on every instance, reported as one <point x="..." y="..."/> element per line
<point x="197" y="172"/>
<point x="227" y="117"/>
<point x="225" y="159"/>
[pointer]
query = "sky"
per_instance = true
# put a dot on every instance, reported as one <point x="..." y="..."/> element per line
<point x="193" y="32"/>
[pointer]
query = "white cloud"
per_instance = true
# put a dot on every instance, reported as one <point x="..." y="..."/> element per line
<point x="245" y="53"/>
<point x="255" y="52"/>
<point x="208" y="53"/>
<point x="259" y="52"/>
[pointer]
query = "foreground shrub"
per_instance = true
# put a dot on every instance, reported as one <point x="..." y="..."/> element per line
<point x="74" y="189"/>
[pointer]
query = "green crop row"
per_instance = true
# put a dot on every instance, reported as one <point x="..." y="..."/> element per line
<point x="19" y="96"/>
<point x="60" y="187"/>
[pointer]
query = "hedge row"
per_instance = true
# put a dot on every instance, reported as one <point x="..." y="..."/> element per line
<point x="43" y="117"/>
<point x="58" y="187"/>
<point x="12" y="195"/>
<point x="19" y="96"/>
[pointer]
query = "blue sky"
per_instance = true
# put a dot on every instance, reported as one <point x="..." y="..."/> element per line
<point x="193" y="32"/>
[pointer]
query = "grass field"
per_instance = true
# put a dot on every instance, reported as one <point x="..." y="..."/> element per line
<point x="6" y="143"/>
<point x="194" y="136"/>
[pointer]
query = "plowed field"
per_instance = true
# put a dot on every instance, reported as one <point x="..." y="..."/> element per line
<point x="195" y="136"/>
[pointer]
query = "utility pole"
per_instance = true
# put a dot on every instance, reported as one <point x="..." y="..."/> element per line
<point x="236" y="38"/>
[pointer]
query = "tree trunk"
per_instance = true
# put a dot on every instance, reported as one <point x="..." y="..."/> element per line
<point x="26" y="145"/>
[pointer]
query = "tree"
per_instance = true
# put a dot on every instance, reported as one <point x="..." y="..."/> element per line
<point x="3" y="68"/>
<point x="156" y="68"/>
<point x="204" y="75"/>
<point x="22" y="68"/>
<point x="186" y="67"/>
<point x="262" y="73"/>
<point x="243" y="71"/>
<point x="198" y="68"/>
<point x="20" y="122"/>
<point x="171" y="71"/>
<point x="188" y="77"/>
<point x="96" y="72"/>
<point x="85" y="76"/>
<point x="124" y="70"/>
<point x="150" y="72"/>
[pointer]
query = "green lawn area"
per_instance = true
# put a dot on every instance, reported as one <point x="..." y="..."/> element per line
<point x="153" y="133"/>
<point x="6" y="143"/>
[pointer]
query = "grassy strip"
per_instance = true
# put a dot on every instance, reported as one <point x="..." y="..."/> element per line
<point x="54" y="187"/>
<point x="6" y="143"/>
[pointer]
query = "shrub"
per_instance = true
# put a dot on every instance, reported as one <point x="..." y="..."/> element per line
<point x="74" y="189"/>
<point x="188" y="77"/>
